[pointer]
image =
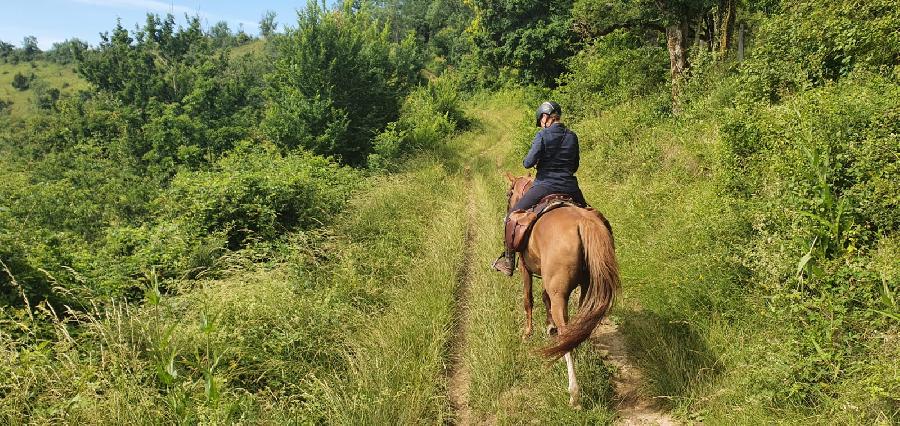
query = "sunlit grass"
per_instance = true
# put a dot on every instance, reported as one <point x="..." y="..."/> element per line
<point x="53" y="75"/>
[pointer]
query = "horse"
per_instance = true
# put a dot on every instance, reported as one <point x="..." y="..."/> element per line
<point x="569" y="247"/>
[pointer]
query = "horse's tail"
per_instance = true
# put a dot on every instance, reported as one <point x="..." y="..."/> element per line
<point x="603" y="269"/>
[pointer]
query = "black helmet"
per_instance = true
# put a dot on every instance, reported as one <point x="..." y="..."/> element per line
<point x="549" y="108"/>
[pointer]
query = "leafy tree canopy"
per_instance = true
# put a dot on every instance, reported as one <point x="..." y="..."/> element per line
<point x="337" y="82"/>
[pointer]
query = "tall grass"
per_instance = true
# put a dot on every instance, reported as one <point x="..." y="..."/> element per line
<point x="510" y="383"/>
<point x="289" y="340"/>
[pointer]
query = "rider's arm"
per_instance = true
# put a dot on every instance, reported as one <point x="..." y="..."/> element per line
<point x="534" y="153"/>
<point x="577" y="153"/>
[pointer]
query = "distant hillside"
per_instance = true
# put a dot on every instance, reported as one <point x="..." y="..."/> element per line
<point x="47" y="75"/>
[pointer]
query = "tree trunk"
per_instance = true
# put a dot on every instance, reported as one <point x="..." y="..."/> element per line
<point x="677" y="42"/>
<point x="725" y="24"/>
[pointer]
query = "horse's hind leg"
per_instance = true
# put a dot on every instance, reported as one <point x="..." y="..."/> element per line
<point x="560" y="311"/>
<point x="550" y="326"/>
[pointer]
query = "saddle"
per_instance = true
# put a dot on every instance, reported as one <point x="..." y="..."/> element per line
<point x="518" y="227"/>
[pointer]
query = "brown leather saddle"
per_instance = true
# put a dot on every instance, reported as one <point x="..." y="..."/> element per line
<point x="520" y="222"/>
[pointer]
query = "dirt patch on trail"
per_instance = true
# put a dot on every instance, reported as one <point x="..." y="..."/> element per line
<point x="634" y="408"/>
<point x="458" y="373"/>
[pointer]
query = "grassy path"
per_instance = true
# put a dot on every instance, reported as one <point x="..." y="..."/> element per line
<point x="633" y="407"/>
<point x="448" y="350"/>
<point x="459" y="374"/>
<point x="499" y="378"/>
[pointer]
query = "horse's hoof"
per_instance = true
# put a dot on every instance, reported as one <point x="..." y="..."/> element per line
<point x="551" y="330"/>
<point x="527" y="333"/>
<point x="574" y="402"/>
<point x="575" y="397"/>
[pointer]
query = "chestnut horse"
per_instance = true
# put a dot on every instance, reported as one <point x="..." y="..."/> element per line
<point x="569" y="247"/>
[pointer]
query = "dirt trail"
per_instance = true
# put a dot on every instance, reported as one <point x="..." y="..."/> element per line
<point x="459" y="373"/>
<point x="633" y="407"/>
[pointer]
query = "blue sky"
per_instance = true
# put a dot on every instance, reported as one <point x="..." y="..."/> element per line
<point x="56" y="20"/>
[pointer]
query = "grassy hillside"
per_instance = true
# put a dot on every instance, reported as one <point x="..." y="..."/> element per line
<point x="47" y="75"/>
<point x="298" y="230"/>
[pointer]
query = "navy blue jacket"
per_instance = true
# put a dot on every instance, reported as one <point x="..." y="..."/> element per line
<point x="554" y="151"/>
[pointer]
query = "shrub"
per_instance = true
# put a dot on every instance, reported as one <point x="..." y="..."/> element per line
<point x="338" y="81"/>
<point x="20" y="82"/>
<point x="257" y="194"/>
<point x="615" y="68"/>
<point x="815" y="41"/>
<point x="818" y="179"/>
<point x="429" y="114"/>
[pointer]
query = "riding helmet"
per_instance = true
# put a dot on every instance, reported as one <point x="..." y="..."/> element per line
<point x="549" y="108"/>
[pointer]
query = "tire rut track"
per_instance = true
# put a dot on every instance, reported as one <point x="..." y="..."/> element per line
<point x="458" y="373"/>
<point x="634" y="408"/>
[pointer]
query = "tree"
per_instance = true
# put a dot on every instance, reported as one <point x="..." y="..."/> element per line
<point x="677" y="20"/>
<point x="267" y="24"/>
<point x="67" y="51"/>
<point x="221" y="34"/>
<point x="154" y="64"/>
<point x="30" y="48"/>
<point x="531" y="36"/>
<point x="338" y="81"/>
<point x="6" y="49"/>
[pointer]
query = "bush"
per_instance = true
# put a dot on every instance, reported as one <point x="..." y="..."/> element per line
<point x="429" y="114"/>
<point x="815" y="41"/>
<point x="818" y="179"/>
<point x="257" y="194"/>
<point x="615" y="68"/>
<point x="20" y="82"/>
<point x="338" y="81"/>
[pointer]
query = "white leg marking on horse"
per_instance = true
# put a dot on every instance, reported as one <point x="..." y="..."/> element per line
<point x="574" y="391"/>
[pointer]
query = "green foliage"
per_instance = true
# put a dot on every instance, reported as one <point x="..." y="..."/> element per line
<point x="438" y="26"/>
<point x="267" y="24"/>
<point x="20" y="82"/>
<point x="30" y="49"/>
<point x="813" y="42"/>
<point x="45" y="97"/>
<point x="429" y="114"/>
<point x="614" y="69"/>
<point x="529" y="37"/>
<point x="149" y="65"/>
<point x="258" y="195"/>
<point x="819" y="175"/>
<point x="337" y="82"/>
<point x="67" y="52"/>
<point x="184" y="103"/>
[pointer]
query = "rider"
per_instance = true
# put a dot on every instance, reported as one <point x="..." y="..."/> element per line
<point x="554" y="151"/>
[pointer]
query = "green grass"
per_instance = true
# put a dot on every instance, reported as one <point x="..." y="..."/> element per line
<point x="53" y="75"/>
<point x="704" y="337"/>
<point x="348" y="324"/>
<point x="510" y="383"/>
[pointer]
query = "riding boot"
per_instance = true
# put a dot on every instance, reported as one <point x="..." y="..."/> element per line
<point x="506" y="263"/>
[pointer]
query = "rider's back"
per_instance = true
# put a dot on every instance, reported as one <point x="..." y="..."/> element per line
<point x="556" y="157"/>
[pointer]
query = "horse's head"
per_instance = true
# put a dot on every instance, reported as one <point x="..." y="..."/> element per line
<point x="518" y="185"/>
